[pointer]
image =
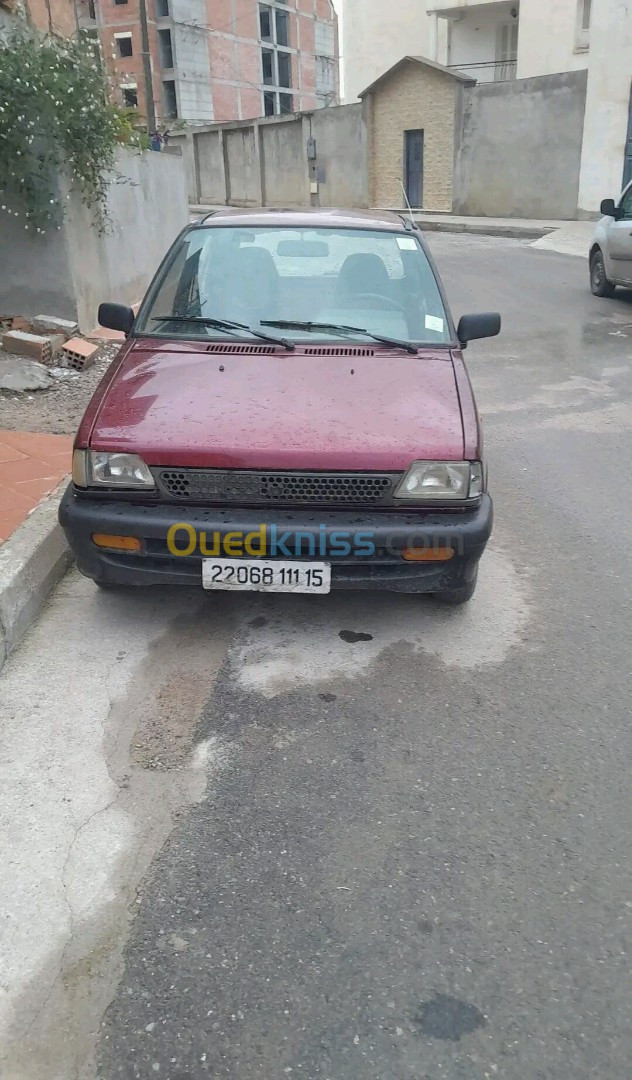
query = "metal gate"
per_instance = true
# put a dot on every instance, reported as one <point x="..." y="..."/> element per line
<point x="627" y="161"/>
<point x="414" y="167"/>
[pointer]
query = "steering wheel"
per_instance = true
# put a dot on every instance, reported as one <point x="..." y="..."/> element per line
<point x="385" y="301"/>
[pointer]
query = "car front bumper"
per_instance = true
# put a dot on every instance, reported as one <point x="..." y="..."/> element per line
<point x="466" y="531"/>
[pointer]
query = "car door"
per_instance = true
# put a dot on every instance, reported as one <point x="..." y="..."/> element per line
<point x="620" y="241"/>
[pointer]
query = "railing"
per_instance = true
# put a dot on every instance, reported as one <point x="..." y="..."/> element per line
<point x="492" y="71"/>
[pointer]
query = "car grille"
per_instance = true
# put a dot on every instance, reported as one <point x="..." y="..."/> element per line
<point x="253" y="488"/>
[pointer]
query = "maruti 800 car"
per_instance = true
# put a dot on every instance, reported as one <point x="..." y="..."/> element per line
<point x="290" y="411"/>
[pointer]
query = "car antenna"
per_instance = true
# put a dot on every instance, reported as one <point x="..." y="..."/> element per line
<point x="412" y="220"/>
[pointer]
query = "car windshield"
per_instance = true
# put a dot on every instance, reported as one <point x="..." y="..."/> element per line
<point x="367" y="282"/>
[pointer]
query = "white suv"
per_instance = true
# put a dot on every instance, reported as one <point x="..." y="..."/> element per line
<point x="611" y="248"/>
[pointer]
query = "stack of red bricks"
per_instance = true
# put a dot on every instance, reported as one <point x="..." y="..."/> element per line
<point x="48" y="340"/>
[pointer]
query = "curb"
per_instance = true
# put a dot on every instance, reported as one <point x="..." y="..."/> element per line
<point x="513" y="232"/>
<point x="32" y="561"/>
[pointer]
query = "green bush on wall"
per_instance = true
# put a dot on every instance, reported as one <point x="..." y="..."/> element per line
<point x="55" y="118"/>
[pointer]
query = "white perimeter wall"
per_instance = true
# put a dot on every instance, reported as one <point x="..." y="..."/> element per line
<point x="607" y="103"/>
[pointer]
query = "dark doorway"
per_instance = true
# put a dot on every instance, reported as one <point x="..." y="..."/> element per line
<point x="414" y="167"/>
<point x="627" y="161"/>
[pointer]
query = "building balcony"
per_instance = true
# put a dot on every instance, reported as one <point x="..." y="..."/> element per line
<point x="492" y="71"/>
<point x="481" y="39"/>
<point x="454" y="8"/>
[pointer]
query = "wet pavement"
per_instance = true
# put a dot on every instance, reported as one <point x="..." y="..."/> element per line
<point x="351" y="837"/>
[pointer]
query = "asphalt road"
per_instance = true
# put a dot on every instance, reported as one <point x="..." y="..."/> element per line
<point x="404" y="856"/>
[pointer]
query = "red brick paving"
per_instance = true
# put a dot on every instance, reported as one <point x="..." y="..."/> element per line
<point x="31" y="466"/>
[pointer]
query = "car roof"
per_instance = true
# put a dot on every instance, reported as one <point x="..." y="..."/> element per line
<point x="307" y="219"/>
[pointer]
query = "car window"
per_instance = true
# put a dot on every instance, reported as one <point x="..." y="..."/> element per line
<point x="380" y="281"/>
<point x="626" y="205"/>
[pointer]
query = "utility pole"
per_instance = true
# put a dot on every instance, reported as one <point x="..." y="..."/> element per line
<point x="149" y="89"/>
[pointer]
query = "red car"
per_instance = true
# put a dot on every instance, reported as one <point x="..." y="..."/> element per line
<point x="290" y="412"/>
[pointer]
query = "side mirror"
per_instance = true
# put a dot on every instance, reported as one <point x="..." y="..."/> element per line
<point x="610" y="209"/>
<point x="116" y="317"/>
<point x="470" y="327"/>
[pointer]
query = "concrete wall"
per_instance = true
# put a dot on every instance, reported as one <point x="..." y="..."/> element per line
<point x="520" y="148"/>
<point x="70" y="271"/>
<point x="241" y="156"/>
<point x="341" y="142"/>
<point x="265" y="162"/>
<point x="212" y="176"/>
<point x="35" y="278"/>
<point x="188" y="150"/>
<point x="285" y="164"/>
<point x="607" y="104"/>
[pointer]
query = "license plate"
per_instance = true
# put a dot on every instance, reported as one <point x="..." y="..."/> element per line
<point x="266" y="575"/>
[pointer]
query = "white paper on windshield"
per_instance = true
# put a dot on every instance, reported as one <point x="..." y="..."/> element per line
<point x="406" y="243"/>
<point x="433" y="323"/>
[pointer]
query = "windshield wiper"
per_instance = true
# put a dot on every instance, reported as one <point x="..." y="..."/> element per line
<point x="223" y="324"/>
<point x="289" y="324"/>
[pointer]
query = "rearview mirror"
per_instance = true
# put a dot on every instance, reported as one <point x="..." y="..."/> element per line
<point x="116" y="317"/>
<point x="303" y="249"/>
<point x="609" y="208"/>
<point x="486" y="324"/>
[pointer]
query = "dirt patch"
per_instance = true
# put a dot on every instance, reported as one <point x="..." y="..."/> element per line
<point x="57" y="410"/>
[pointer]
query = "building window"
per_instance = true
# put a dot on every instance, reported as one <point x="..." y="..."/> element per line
<point x="265" y="23"/>
<point x="169" y="98"/>
<point x="130" y="97"/>
<point x="285" y="68"/>
<point x="282" y="28"/>
<point x="124" y="44"/>
<point x="286" y="103"/>
<point x="119" y="2"/>
<point x="92" y="11"/>
<point x="268" y="103"/>
<point x="584" y="12"/>
<point x="166" y="50"/>
<point x="162" y="9"/>
<point x="506" y="51"/>
<point x="267" y="64"/>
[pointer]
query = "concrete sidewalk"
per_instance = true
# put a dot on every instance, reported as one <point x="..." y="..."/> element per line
<point x="517" y="228"/>
<point x="520" y="228"/>
<point x="572" y="238"/>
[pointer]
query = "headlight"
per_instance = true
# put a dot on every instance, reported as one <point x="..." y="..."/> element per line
<point x="440" y="481"/>
<point x="117" y="470"/>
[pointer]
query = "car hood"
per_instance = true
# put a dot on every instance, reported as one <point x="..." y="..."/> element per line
<point x="179" y="404"/>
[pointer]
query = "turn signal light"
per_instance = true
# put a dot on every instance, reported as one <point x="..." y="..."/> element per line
<point x="116" y="543"/>
<point x="438" y="554"/>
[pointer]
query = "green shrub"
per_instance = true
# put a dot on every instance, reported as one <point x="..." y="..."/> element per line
<point x="55" y="119"/>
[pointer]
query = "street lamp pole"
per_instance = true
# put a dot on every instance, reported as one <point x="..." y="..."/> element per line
<point x="149" y="90"/>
